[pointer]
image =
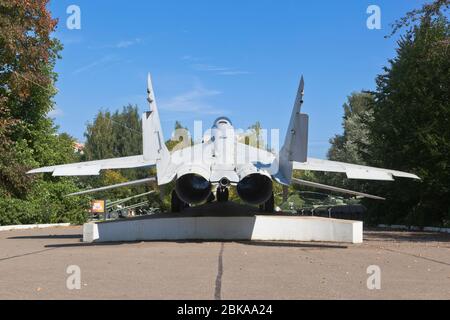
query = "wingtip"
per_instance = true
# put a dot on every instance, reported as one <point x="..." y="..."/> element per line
<point x="408" y="176"/>
<point x="33" y="171"/>
<point x="39" y="170"/>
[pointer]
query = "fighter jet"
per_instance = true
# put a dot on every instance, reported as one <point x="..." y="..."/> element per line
<point x="220" y="161"/>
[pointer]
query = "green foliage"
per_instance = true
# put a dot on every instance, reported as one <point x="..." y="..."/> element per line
<point x="99" y="138"/>
<point x="113" y="135"/>
<point x="41" y="198"/>
<point x="17" y="211"/>
<point x="119" y="134"/>
<point x="411" y="129"/>
<point x="181" y="138"/>
<point x="111" y="177"/>
<point x="45" y="203"/>
<point x="28" y="137"/>
<point x="293" y="203"/>
<point x="349" y="146"/>
<point x="428" y="11"/>
<point x="55" y="205"/>
<point x="255" y="138"/>
<point x="404" y="125"/>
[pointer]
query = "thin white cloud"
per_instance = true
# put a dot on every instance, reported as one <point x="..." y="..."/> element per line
<point x="233" y="73"/>
<point x="218" y="70"/>
<point x="208" y="67"/>
<point x="190" y="58"/>
<point x="127" y="43"/>
<point x="122" y="44"/>
<point x="193" y="101"/>
<point x="68" y="39"/>
<point x="100" y="62"/>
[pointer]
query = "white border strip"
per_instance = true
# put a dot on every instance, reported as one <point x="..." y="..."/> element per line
<point x="33" y="226"/>
<point x="414" y="228"/>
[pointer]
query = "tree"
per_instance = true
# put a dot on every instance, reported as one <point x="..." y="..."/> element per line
<point x="27" y="55"/>
<point x="411" y="129"/>
<point x="256" y="138"/>
<point x="352" y="143"/>
<point x="180" y="138"/>
<point x="114" y="135"/>
<point x="99" y="136"/>
<point x="428" y="11"/>
<point x="119" y="134"/>
<point x="28" y="137"/>
<point x="127" y="131"/>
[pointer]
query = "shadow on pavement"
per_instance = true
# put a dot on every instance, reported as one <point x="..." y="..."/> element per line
<point x="249" y="243"/>
<point x="50" y="236"/>
<point x="117" y="243"/>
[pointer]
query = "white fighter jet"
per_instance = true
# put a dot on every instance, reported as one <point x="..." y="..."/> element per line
<point x="220" y="161"/>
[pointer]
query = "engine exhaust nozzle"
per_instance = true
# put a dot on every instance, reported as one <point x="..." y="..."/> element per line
<point x="255" y="188"/>
<point x="193" y="188"/>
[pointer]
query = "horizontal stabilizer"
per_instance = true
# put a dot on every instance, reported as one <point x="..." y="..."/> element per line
<point x="353" y="171"/>
<point x="81" y="170"/>
<point x="335" y="189"/>
<point x="93" y="168"/>
<point x="119" y="185"/>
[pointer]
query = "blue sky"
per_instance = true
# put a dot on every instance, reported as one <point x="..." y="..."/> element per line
<point x="242" y="59"/>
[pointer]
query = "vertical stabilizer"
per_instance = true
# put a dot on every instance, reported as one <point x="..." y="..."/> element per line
<point x="154" y="147"/>
<point x="295" y="146"/>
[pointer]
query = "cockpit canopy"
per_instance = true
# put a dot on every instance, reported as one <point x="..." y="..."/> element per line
<point x="222" y="121"/>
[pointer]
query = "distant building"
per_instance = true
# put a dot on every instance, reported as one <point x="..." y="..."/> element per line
<point x="78" y="147"/>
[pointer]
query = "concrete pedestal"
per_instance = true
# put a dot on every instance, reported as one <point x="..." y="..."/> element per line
<point x="257" y="227"/>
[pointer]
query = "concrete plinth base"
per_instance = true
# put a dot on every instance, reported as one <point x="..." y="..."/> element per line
<point x="257" y="227"/>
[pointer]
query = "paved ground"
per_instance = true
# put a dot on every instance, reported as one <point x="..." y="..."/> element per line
<point x="33" y="265"/>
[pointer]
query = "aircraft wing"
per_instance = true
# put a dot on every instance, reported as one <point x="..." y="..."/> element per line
<point x="93" y="168"/>
<point x="352" y="171"/>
